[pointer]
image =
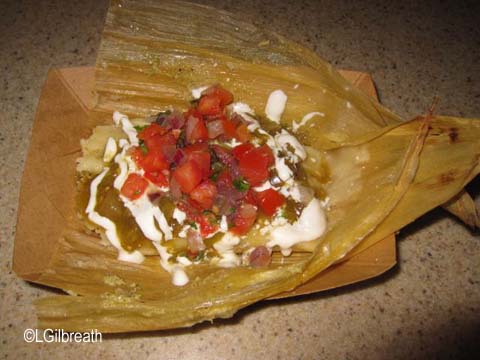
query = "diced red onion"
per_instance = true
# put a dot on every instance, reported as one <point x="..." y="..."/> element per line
<point x="195" y="242"/>
<point x="227" y="159"/>
<point x="178" y="157"/>
<point x="260" y="257"/>
<point x="192" y="122"/>
<point x="215" y="129"/>
<point x="175" y="190"/>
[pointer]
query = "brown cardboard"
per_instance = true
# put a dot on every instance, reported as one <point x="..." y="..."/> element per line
<point x="46" y="206"/>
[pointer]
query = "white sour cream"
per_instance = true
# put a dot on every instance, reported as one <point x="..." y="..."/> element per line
<point x="179" y="277"/>
<point x="197" y="92"/>
<point x="276" y="105"/>
<point x="285" y="139"/>
<point x="224" y="247"/>
<point x="311" y="224"/>
<point x="224" y="224"/>
<point x="283" y="171"/>
<point x="127" y="127"/>
<point x="179" y="215"/>
<point x="305" y="119"/>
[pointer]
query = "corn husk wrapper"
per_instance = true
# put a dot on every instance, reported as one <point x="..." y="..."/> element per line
<point x="383" y="172"/>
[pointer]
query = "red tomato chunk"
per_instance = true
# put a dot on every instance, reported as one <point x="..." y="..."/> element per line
<point x="188" y="176"/>
<point x="134" y="186"/>
<point x="269" y="201"/>
<point x="204" y="194"/>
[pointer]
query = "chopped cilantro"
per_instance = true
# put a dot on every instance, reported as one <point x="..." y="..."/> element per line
<point x="241" y="184"/>
<point x="217" y="168"/>
<point x="140" y="127"/>
<point x="143" y="147"/>
<point x="199" y="256"/>
<point x="193" y="225"/>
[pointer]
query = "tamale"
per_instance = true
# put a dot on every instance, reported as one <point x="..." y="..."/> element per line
<point x="385" y="172"/>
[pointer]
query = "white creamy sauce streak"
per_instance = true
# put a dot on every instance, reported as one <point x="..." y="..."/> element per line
<point x="311" y="224"/>
<point x="225" y="247"/>
<point x="305" y="119"/>
<point x="276" y="105"/>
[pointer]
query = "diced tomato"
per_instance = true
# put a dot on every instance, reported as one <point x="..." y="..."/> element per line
<point x="200" y="155"/>
<point x="209" y="105"/>
<point x="166" y="144"/>
<point x="240" y="150"/>
<point x="157" y="177"/>
<point x="253" y="165"/>
<point x="224" y="179"/>
<point x="192" y="112"/>
<point x="228" y="129"/>
<point x="208" y="224"/>
<point x="265" y="152"/>
<point x="244" y="218"/>
<point x="134" y="186"/>
<point x="157" y="141"/>
<point x="214" y="100"/>
<point x="242" y="133"/>
<point x="195" y="130"/>
<point x="250" y="198"/>
<point x="224" y="95"/>
<point x="253" y="169"/>
<point x="154" y="161"/>
<point x="151" y="130"/>
<point x="137" y="155"/>
<point x="188" y="176"/>
<point x="204" y="194"/>
<point x="269" y="201"/>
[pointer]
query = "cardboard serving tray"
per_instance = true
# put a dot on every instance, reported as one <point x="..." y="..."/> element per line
<point x="46" y="205"/>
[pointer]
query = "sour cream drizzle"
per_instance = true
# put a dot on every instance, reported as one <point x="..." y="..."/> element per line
<point x="305" y="119"/>
<point x="110" y="228"/>
<point x="276" y="105"/>
<point x="311" y="224"/>
<point x="197" y="92"/>
<point x="127" y="127"/>
<point x="225" y="248"/>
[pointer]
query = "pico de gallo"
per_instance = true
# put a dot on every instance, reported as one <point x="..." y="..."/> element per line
<point x="199" y="180"/>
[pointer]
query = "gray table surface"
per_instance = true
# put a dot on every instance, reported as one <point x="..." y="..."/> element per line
<point x="428" y="306"/>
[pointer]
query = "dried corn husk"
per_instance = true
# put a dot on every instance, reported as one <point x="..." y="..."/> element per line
<point x="383" y="172"/>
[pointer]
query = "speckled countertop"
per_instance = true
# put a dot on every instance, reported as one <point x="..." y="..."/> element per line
<point x="428" y="306"/>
